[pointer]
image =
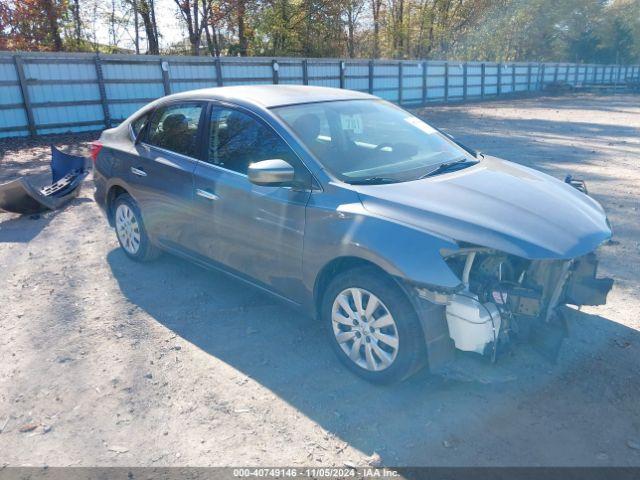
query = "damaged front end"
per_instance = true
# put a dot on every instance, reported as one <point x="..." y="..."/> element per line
<point x="505" y="298"/>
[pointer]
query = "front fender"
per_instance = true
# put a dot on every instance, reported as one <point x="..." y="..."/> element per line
<point x="348" y="230"/>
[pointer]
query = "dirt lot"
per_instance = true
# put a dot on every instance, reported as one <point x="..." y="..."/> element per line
<point x="108" y="362"/>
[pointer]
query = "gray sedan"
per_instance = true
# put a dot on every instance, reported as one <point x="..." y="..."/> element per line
<point x="406" y="245"/>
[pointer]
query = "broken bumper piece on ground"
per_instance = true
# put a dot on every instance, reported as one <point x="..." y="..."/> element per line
<point x="68" y="173"/>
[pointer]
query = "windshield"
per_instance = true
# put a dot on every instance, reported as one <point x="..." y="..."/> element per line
<point x="371" y="141"/>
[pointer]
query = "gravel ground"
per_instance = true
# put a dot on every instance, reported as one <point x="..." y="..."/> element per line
<point x="108" y="362"/>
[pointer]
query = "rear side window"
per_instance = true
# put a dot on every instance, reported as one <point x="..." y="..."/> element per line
<point x="138" y="124"/>
<point x="175" y="128"/>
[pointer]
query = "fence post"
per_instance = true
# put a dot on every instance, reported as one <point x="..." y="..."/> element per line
<point x="464" y="81"/>
<point x="586" y="72"/>
<point x="555" y="73"/>
<point x="305" y="72"/>
<point x="499" y="81"/>
<point x="482" y="81"/>
<point x="371" y="76"/>
<point x="274" y="68"/>
<point x="566" y="73"/>
<point x="165" y="76"/>
<point x="103" y="92"/>
<point x="528" y="77"/>
<point x="424" y="83"/>
<point x="342" y="65"/>
<point x="604" y="69"/>
<point x="218" y="64"/>
<point x="575" y="75"/>
<point x="400" y="82"/>
<point x="513" y="78"/>
<point x="17" y="60"/>
<point x="446" y="81"/>
<point x="542" y="76"/>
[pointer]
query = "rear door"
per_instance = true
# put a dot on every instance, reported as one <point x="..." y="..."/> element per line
<point x="162" y="170"/>
<point x="254" y="230"/>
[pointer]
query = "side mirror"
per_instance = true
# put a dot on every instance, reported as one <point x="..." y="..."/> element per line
<point x="271" y="173"/>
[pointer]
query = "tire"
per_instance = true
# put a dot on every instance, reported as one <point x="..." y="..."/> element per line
<point x="130" y="230"/>
<point x="402" y="352"/>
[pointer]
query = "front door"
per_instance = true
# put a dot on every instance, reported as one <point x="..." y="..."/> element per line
<point x="254" y="230"/>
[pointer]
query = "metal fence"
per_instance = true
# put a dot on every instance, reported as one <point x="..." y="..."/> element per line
<point x="43" y="93"/>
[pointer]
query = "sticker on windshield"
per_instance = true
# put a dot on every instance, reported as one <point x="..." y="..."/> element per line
<point x="416" y="122"/>
<point x="352" y="123"/>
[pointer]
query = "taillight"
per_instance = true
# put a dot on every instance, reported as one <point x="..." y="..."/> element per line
<point x="95" y="150"/>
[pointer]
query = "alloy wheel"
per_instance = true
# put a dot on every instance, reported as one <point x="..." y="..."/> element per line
<point x="128" y="228"/>
<point x="365" y="329"/>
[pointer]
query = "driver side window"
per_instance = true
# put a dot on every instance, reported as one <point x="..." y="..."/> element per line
<point x="238" y="139"/>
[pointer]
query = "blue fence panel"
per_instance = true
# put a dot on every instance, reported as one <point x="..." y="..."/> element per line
<point x="290" y="72"/>
<point x="10" y="94"/>
<point x="15" y="121"/>
<point x="120" y="111"/>
<point x="386" y="81"/>
<point x="456" y="81"/>
<point x="357" y="76"/>
<point x="411" y="83"/>
<point x="249" y="73"/>
<point x="324" y="74"/>
<point x="76" y="92"/>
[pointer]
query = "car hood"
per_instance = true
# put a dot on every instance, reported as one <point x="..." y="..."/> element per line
<point x="496" y="204"/>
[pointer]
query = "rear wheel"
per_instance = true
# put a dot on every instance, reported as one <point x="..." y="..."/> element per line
<point x="130" y="230"/>
<point x="373" y="327"/>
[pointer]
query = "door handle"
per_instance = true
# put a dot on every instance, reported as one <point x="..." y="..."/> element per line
<point x="138" y="171"/>
<point x="206" y="194"/>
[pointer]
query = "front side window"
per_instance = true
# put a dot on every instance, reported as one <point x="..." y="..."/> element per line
<point x="238" y="139"/>
<point x="359" y="140"/>
<point x="175" y="128"/>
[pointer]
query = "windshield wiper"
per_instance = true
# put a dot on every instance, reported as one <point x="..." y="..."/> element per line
<point x="447" y="166"/>
<point x="372" y="181"/>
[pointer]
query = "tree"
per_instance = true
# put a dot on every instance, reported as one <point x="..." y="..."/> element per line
<point x="196" y="14"/>
<point x="376" y="7"/>
<point x="353" y="10"/>
<point x="215" y="17"/>
<point x="146" y="9"/>
<point x="32" y="24"/>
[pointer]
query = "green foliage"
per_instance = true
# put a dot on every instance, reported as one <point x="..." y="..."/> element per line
<point x="589" y="31"/>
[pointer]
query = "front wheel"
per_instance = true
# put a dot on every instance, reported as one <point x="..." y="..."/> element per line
<point x="373" y="327"/>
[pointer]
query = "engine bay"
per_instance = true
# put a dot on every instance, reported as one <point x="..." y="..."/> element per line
<point x="506" y="298"/>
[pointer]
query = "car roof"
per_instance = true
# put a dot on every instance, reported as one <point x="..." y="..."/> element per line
<point x="269" y="96"/>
